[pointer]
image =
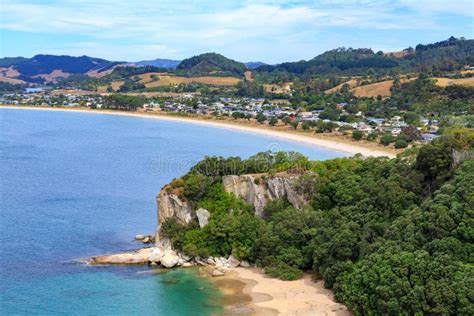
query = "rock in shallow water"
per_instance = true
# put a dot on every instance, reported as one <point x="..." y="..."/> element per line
<point x="138" y="257"/>
<point x="139" y="237"/>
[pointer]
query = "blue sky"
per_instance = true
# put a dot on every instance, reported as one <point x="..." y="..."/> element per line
<point x="269" y="31"/>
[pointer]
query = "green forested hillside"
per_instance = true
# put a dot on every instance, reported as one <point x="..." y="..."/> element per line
<point x="389" y="237"/>
<point x="211" y="63"/>
<point x="45" y="64"/>
<point x="446" y="55"/>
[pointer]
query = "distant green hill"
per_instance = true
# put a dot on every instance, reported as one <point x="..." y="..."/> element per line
<point x="447" y="55"/>
<point x="9" y="61"/>
<point x="30" y="68"/>
<point x="254" y="64"/>
<point x="211" y="63"/>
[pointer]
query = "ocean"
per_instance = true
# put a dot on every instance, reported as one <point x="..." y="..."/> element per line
<point x="74" y="185"/>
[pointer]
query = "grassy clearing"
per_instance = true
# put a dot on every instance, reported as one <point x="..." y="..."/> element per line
<point x="166" y="80"/>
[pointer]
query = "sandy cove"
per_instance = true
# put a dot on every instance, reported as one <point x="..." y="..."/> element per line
<point x="249" y="291"/>
<point x="245" y="291"/>
<point x="332" y="144"/>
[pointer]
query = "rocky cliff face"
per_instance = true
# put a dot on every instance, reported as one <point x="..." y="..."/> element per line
<point x="171" y="206"/>
<point x="258" y="191"/>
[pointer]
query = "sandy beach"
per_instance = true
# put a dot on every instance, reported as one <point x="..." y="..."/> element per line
<point x="249" y="291"/>
<point x="348" y="147"/>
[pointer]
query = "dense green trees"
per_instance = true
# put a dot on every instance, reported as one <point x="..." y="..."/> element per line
<point x="124" y="102"/>
<point x="8" y="87"/>
<point x="446" y="55"/>
<point x="402" y="282"/>
<point x="250" y="89"/>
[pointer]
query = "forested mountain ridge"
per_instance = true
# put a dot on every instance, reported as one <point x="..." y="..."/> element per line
<point x="44" y="64"/>
<point x="389" y="236"/>
<point x="254" y="64"/>
<point x="441" y="57"/>
<point x="445" y="55"/>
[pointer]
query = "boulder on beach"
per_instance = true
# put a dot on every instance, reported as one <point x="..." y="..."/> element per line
<point x="233" y="262"/>
<point x="244" y="264"/>
<point x="169" y="259"/>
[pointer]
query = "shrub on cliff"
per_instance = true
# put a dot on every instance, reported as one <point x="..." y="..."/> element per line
<point x="196" y="186"/>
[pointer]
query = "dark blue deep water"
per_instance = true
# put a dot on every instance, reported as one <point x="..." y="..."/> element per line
<point x="75" y="185"/>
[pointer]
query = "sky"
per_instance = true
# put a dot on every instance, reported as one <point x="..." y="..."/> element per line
<point x="259" y="30"/>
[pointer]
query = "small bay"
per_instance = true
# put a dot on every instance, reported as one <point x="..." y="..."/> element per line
<point x="75" y="185"/>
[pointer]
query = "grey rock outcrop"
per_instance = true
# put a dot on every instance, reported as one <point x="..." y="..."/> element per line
<point x="259" y="193"/>
<point x="171" y="206"/>
<point x="169" y="259"/>
<point x="233" y="262"/>
<point x="244" y="264"/>
<point x="203" y="217"/>
<point x="460" y="155"/>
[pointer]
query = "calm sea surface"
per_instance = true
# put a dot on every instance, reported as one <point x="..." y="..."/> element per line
<point x="75" y="185"/>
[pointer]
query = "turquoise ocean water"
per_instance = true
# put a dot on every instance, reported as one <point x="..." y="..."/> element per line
<point x="75" y="185"/>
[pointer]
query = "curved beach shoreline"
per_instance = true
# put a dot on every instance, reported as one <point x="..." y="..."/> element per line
<point x="336" y="145"/>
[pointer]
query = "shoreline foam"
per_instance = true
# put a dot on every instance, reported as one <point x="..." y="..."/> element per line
<point x="335" y="145"/>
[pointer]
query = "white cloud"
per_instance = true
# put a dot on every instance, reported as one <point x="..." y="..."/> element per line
<point x="113" y="51"/>
<point x="173" y="29"/>
<point x="461" y="7"/>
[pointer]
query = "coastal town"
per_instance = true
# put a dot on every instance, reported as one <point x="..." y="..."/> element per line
<point x="260" y="110"/>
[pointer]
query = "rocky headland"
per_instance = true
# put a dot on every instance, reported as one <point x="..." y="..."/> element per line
<point x="255" y="189"/>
